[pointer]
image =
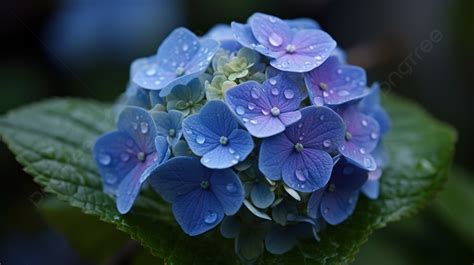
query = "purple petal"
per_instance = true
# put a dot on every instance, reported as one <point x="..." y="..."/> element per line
<point x="243" y="34"/>
<point x="271" y="32"/>
<point x="282" y="93"/>
<point x="138" y="123"/>
<point x="198" y="211"/>
<point x="228" y="189"/>
<point x="335" y="83"/>
<point x="307" y="170"/>
<point x="371" y="189"/>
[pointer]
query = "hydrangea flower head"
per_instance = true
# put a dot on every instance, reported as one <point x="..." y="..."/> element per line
<point x="272" y="133"/>
<point x="214" y="134"/>
<point x="200" y="196"/>
<point x="266" y="109"/>
<point x="301" y="154"/>
<point x="127" y="156"/>
<point x="181" y="57"/>
<point x="292" y="50"/>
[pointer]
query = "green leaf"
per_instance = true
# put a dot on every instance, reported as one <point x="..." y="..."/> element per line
<point x="53" y="141"/>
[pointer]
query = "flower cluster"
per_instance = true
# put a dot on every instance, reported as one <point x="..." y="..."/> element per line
<point x="262" y="128"/>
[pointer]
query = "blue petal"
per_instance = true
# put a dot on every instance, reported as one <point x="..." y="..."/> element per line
<point x="365" y="133"/>
<point x="271" y="32"/>
<point x="336" y="207"/>
<point x="262" y="196"/>
<point x="280" y="239"/>
<point x="228" y="189"/>
<point x="370" y="105"/>
<point x="230" y="227"/>
<point x="314" y="203"/>
<point x="223" y="33"/>
<point x="308" y="170"/>
<point x="302" y="23"/>
<point x="115" y="154"/>
<point x="274" y="151"/>
<point x="137" y="96"/>
<point x="178" y="176"/>
<point x="181" y="148"/>
<point x="348" y="177"/>
<point x="177" y="49"/>
<point x="197" y="211"/>
<point x="371" y="189"/>
<point x="200" y="138"/>
<point x="312" y="48"/>
<point x="168" y="124"/>
<point x="138" y="123"/>
<point x="224" y="156"/>
<point x="335" y="83"/>
<point x="128" y="190"/>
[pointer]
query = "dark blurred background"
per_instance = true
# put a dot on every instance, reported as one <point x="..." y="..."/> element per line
<point x="421" y="49"/>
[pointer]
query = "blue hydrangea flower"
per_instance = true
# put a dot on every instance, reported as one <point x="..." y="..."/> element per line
<point x="181" y="57"/>
<point x="266" y="109"/>
<point x="335" y="83"/>
<point x="214" y="134"/>
<point x="223" y="34"/>
<point x="292" y="50"/>
<point x="337" y="200"/>
<point x="301" y="154"/>
<point x="362" y="136"/>
<point x="187" y="98"/>
<point x="127" y="156"/>
<point x="169" y="125"/>
<point x="200" y="196"/>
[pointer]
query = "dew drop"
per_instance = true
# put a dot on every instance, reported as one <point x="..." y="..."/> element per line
<point x="124" y="157"/>
<point x="234" y="161"/>
<point x="367" y="162"/>
<point x="326" y="210"/>
<point x="110" y="179"/>
<point x="364" y="123"/>
<point x="374" y="135"/>
<point x="272" y="81"/>
<point x="240" y="110"/>
<point x="275" y="91"/>
<point x="265" y="112"/>
<point x="318" y="57"/>
<point x="275" y="40"/>
<point x="185" y="47"/>
<point x="230" y="187"/>
<point x="151" y="72"/>
<point x="255" y="93"/>
<point x="188" y="131"/>
<point x="339" y="71"/>
<point x="325" y="94"/>
<point x="200" y="139"/>
<point x="300" y="125"/>
<point x="135" y="125"/>
<point x="321" y="118"/>
<point x="362" y="151"/>
<point x="327" y="143"/>
<point x="105" y="159"/>
<point x="245" y="120"/>
<point x="144" y="127"/>
<point x="206" y="160"/>
<point x="210" y="218"/>
<point x="253" y="122"/>
<point x="289" y="94"/>
<point x="300" y="175"/>
<point x="343" y="93"/>
<point x="318" y="101"/>
<point x="231" y="151"/>
<point x="251" y="106"/>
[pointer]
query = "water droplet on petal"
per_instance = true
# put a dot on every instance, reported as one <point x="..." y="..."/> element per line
<point x="318" y="57"/>
<point x="230" y="187"/>
<point x="318" y="101"/>
<point x="321" y="118"/>
<point x="234" y="161"/>
<point x="185" y="47"/>
<point x="275" y="91"/>
<point x="325" y="94"/>
<point x="144" y="127"/>
<point x="210" y="218"/>
<point x="289" y="94"/>
<point x="374" y="135"/>
<point x="151" y="71"/>
<point x="326" y="210"/>
<point x="300" y="125"/>
<point x="255" y="93"/>
<point x="339" y="71"/>
<point x="245" y="120"/>
<point x="200" y="139"/>
<point x="327" y="143"/>
<point x="110" y="179"/>
<point x="275" y="39"/>
<point x="265" y="112"/>
<point x="124" y="157"/>
<point x="251" y="106"/>
<point x="253" y="122"/>
<point x="240" y="110"/>
<point x="300" y="175"/>
<point x="367" y="162"/>
<point x="343" y="93"/>
<point x="362" y="151"/>
<point x="134" y="125"/>
<point x="272" y="81"/>
<point x="104" y="159"/>
<point x="364" y="123"/>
